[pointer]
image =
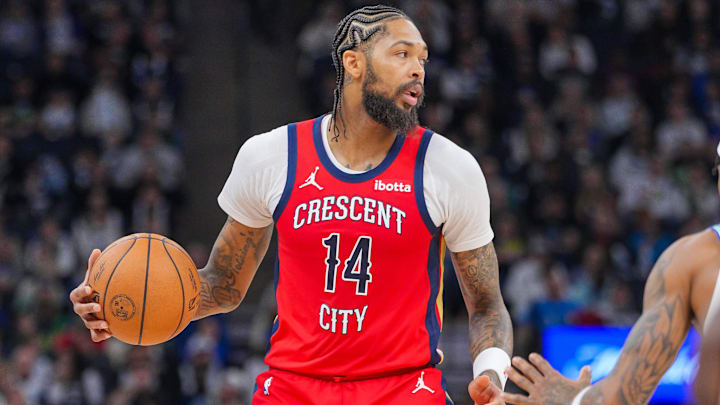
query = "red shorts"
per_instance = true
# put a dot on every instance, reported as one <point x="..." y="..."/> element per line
<point x="424" y="386"/>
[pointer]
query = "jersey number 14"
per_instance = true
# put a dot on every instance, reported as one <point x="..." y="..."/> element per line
<point x="357" y="266"/>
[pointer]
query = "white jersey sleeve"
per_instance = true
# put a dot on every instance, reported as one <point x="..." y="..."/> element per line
<point x="257" y="179"/>
<point x="456" y="195"/>
<point x="454" y="188"/>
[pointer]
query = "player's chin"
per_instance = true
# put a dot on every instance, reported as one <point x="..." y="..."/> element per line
<point x="405" y="106"/>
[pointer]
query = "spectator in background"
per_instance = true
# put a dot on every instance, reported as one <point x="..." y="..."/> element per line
<point x="564" y="52"/>
<point x="233" y="390"/>
<point x="591" y="276"/>
<point x="631" y="162"/>
<point x="532" y="143"/>
<point x="57" y="118"/>
<point x="618" y="106"/>
<point x="18" y="30"/>
<point x="153" y="107"/>
<point x="66" y="384"/>
<point x="151" y="159"/>
<point x="151" y="211"/>
<point x="647" y="241"/>
<point x="511" y="245"/>
<point x="681" y="135"/>
<point x="107" y="108"/>
<point x="701" y="191"/>
<point x="99" y="226"/>
<point x="434" y="19"/>
<point x="138" y="380"/>
<point x="556" y="309"/>
<point x="200" y="372"/>
<point x="525" y="283"/>
<point x="50" y="255"/>
<point x="31" y="372"/>
<point x="473" y="70"/>
<point x="60" y="28"/>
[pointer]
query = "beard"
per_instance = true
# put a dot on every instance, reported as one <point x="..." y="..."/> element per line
<point x="385" y="110"/>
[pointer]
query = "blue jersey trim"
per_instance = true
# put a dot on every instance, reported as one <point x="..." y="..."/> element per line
<point x="716" y="228"/>
<point x="443" y="384"/>
<point x="431" y="322"/>
<point x="275" y="327"/>
<point x="292" y="166"/>
<point x="353" y="177"/>
<point x="276" y="324"/>
<point x="418" y="180"/>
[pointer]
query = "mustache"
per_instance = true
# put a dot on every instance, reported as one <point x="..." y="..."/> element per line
<point x="407" y="86"/>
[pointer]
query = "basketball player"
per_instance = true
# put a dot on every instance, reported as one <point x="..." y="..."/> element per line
<point x="683" y="287"/>
<point x="707" y="381"/>
<point x="364" y="201"/>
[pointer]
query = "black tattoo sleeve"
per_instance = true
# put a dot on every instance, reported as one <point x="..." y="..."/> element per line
<point x="653" y="342"/>
<point x="490" y="324"/>
<point x="233" y="262"/>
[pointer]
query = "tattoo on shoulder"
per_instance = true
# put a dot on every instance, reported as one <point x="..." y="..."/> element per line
<point x="656" y="282"/>
<point x="654" y="340"/>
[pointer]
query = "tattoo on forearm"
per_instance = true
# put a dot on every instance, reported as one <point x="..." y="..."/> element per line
<point x="220" y="279"/>
<point x="652" y="345"/>
<point x="490" y="323"/>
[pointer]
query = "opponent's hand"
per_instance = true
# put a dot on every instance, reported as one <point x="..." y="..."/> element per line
<point x="544" y="385"/>
<point x="86" y="308"/>
<point x="484" y="392"/>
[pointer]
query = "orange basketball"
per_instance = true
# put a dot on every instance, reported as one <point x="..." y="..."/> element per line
<point x="147" y="286"/>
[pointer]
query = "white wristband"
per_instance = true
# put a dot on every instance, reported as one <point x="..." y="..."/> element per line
<point x="578" y="398"/>
<point x="495" y="359"/>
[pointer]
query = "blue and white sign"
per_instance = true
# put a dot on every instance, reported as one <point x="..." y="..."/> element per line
<point x="570" y="348"/>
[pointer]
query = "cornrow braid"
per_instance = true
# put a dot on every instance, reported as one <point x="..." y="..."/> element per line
<point x="356" y="28"/>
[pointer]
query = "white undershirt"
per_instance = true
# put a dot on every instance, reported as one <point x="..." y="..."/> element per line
<point x="454" y="187"/>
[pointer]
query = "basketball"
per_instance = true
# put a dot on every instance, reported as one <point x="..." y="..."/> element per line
<point x="147" y="286"/>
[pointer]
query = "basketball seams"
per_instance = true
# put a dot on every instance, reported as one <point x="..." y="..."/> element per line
<point x="116" y="243"/>
<point x="179" y="249"/>
<point x="147" y="272"/>
<point x="123" y="254"/>
<point x="182" y="287"/>
<point x="107" y="285"/>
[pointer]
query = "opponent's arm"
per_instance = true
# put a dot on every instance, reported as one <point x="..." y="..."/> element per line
<point x="647" y="353"/>
<point x="489" y="320"/>
<point x="707" y="389"/>
<point x="655" y="339"/>
<point x="234" y="259"/>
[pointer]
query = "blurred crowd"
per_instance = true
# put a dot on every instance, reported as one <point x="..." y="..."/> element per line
<point x="89" y="151"/>
<point x="595" y="123"/>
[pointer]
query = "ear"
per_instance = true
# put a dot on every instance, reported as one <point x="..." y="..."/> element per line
<point x="354" y="63"/>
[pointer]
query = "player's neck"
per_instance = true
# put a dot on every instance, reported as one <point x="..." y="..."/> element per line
<point x="362" y="142"/>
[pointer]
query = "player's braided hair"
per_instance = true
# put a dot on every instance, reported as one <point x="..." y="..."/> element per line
<point x="355" y="29"/>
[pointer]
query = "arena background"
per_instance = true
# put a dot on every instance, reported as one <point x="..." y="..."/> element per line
<point x="595" y="123"/>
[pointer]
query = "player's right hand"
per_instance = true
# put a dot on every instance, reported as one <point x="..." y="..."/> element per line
<point x="544" y="384"/>
<point x="86" y="308"/>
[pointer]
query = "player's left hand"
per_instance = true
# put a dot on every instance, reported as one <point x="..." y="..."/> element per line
<point x="544" y="384"/>
<point x="485" y="392"/>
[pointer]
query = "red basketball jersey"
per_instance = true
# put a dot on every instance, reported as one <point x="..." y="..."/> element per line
<point x="359" y="270"/>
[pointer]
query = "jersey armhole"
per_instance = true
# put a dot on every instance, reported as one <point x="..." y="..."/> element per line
<point x="716" y="229"/>
<point x="419" y="181"/>
<point x="291" y="168"/>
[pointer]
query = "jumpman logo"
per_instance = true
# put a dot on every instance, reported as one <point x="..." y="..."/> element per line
<point x="311" y="180"/>
<point x="266" y="386"/>
<point x="420" y="385"/>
